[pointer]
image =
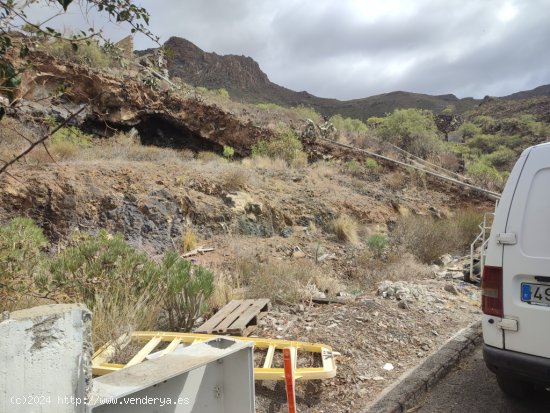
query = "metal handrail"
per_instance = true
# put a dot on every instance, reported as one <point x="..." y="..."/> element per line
<point x="484" y="242"/>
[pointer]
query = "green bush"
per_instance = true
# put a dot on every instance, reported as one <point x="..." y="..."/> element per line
<point x="95" y="264"/>
<point x="525" y="125"/>
<point x="71" y="134"/>
<point x="349" y="125"/>
<point x="413" y="130"/>
<point x="122" y="286"/>
<point x="377" y="243"/>
<point x="375" y="122"/>
<point x="22" y="263"/>
<point x="305" y="112"/>
<point x="187" y="290"/>
<point x="484" y="143"/>
<point x="372" y="165"/>
<point x="468" y="130"/>
<point x="486" y="175"/>
<point x="223" y="93"/>
<point x="84" y="53"/>
<point x="287" y="147"/>
<point x="486" y="123"/>
<point x="354" y="168"/>
<point x="228" y="152"/>
<point x="269" y="106"/>
<point x="503" y="157"/>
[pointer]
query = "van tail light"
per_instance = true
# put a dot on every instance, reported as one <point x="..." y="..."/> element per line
<point x="491" y="291"/>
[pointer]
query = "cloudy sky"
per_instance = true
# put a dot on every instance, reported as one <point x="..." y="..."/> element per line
<point x="357" y="48"/>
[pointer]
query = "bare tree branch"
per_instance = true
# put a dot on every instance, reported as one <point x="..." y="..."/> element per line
<point x="42" y="139"/>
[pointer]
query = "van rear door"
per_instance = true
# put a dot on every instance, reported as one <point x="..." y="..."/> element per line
<point x="526" y="259"/>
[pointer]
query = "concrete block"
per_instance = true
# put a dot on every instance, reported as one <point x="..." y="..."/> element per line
<point x="213" y="376"/>
<point x="45" y="355"/>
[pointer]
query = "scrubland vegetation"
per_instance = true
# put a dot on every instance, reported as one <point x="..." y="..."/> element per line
<point x="128" y="289"/>
<point x="123" y="287"/>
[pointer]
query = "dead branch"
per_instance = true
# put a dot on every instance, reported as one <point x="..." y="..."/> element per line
<point x="41" y="140"/>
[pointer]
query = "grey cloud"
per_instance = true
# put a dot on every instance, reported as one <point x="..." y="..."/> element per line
<point x="349" y="49"/>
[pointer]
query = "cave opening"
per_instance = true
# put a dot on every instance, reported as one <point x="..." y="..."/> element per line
<point x="158" y="130"/>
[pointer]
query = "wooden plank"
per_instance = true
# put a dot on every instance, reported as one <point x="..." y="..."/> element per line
<point x="171" y="347"/>
<point x="328" y="300"/>
<point x="269" y="357"/>
<point x="242" y="322"/>
<point x="144" y="352"/>
<point x="230" y="319"/>
<point x="217" y="318"/>
<point x="196" y="251"/>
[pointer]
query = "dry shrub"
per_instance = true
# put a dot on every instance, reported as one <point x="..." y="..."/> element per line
<point x="401" y="267"/>
<point x="38" y="156"/>
<point x="467" y="221"/>
<point x="345" y="139"/>
<point x="226" y="289"/>
<point x="127" y="147"/>
<point x="189" y="240"/>
<point x="117" y="313"/>
<point x="210" y="157"/>
<point x="448" y="161"/>
<point x="323" y="170"/>
<point x="345" y="228"/>
<point x="286" y="282"/>
<point x="64" y="150"/>
<point x="234" y="179"/>
<point x="428" y="238"/>
<point x="395" y="180"/>
<point x="119" y="150"/>
<point x="186" y="154"/>
<point x="264" y="162"/>
<point x="14" y="134"/>
<point x="418" y="178"/>
<point x="6" y="154"/>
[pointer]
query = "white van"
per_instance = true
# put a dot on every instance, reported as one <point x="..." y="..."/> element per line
<point x="516" y="278"/>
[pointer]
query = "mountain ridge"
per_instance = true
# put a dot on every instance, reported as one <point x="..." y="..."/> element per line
<point x="243" y="78"/>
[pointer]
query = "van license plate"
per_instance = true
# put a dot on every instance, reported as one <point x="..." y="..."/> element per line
<point x="538" y="294"/>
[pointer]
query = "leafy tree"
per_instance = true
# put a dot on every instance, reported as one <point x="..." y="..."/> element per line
<point x="413" y="130"/>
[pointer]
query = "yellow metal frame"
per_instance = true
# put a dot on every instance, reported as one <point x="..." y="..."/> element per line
<point x="101" y="358"/>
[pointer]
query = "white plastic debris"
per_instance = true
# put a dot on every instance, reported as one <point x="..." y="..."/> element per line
<point x="388" y="366"/>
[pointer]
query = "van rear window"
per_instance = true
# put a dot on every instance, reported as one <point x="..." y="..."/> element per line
<point x="535" y="231"/>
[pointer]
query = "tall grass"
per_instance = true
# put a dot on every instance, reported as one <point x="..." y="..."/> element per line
<point x="428" y="238"/>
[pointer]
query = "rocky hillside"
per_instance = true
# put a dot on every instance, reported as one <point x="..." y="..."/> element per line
<point x="543" y="90"/>
<point x="140" y="160"/>
<point x="243" y="78"/>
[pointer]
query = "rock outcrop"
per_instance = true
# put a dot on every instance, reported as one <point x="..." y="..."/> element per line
<point x="162" y="118"/>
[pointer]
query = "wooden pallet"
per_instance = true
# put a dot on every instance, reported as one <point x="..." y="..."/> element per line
<point x="238" y="317"/>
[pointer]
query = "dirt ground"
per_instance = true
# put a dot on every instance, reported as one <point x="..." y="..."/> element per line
<point x="368" y="332"/>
